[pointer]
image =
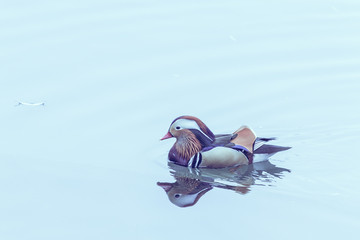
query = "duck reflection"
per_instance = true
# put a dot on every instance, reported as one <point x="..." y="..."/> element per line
<point x="192" y="183"/>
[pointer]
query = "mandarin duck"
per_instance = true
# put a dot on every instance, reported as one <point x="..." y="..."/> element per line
<point x="197" y="147"/>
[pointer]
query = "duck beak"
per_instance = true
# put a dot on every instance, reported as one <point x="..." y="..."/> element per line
<point x="167" y="135"/>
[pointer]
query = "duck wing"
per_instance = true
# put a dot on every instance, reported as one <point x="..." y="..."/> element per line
<point x="244" y="137"/>
<point x="223" y="140"/>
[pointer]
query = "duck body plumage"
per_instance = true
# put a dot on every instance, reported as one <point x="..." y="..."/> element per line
<point x="197" y="147"/>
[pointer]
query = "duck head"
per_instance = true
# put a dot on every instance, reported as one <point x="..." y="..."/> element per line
<point x="185" y="192"/>
<point x="186" y="126"/>
<point x="191" y="135"/>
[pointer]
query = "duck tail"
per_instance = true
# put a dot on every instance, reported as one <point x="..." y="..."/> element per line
<point x="270" y="149"/>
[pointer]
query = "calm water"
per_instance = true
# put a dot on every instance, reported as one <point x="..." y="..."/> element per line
<point x="114" y="74"/>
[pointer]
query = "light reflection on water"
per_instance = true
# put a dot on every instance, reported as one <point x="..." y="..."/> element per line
<point x="114" y="74"/>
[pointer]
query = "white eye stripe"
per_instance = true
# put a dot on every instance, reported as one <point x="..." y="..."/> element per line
<point x="188" y="124"/>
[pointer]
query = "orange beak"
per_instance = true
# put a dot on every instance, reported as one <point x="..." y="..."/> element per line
<point x="167" y="135"/>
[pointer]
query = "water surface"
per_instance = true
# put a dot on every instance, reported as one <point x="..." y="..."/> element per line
<point x="114" y="74"/>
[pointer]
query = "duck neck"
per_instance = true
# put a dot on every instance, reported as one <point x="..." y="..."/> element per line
<point x="187" y="146"/>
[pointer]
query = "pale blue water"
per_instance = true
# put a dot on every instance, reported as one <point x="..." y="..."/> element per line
<point x="114" y="74"/>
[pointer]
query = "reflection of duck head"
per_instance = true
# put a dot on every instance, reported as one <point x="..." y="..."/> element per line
<point x="192" y="184"/>
<point x="185" y="192"/>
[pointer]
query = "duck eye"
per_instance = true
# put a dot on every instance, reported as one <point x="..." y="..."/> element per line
<point x="177" y="195"/>
<point x="177" y="127"/>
